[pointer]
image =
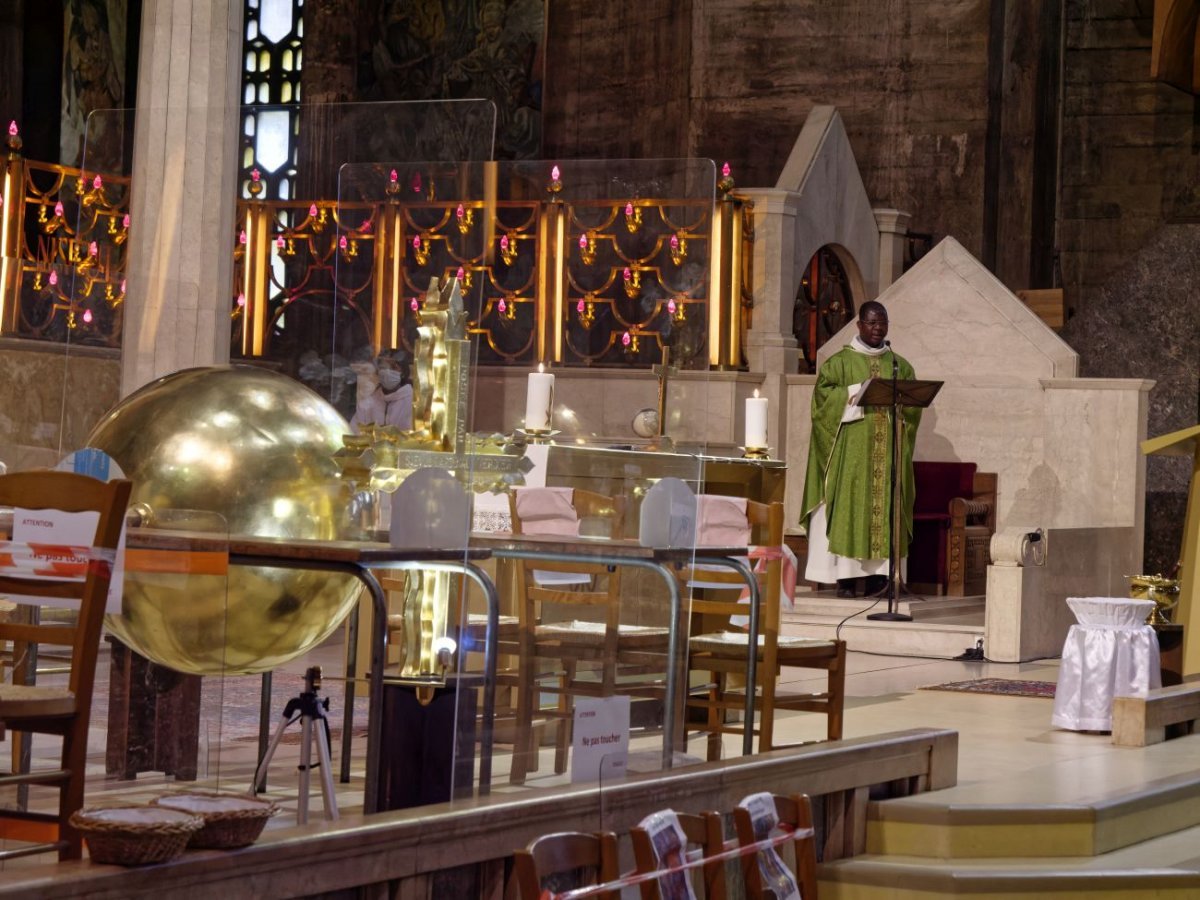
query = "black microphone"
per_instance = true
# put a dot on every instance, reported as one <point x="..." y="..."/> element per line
<point x="895" y="365"/>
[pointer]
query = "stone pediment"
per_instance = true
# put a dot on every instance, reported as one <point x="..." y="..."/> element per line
<point x="952" y="318"/>
<point x="831" y="203"/>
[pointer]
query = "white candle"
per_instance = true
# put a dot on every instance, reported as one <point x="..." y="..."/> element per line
<point x="756" y="421"/>
<point x="538" y="400"/>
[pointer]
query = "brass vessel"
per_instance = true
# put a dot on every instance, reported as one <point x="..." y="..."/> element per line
<point x="1163" y="591"/>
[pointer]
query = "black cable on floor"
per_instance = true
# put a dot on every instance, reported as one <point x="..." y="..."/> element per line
<point x="837" y="635"/>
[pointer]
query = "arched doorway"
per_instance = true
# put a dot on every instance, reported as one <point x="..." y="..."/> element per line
<point x="824" y="304"/>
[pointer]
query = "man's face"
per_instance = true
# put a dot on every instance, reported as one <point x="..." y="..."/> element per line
<point x="873" y="328"/>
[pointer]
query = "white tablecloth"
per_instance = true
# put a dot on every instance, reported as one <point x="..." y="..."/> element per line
<point x="1111" y="653"/>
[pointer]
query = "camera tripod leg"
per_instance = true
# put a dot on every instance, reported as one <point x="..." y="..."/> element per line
<point x="322" y="737"/>
<point x="306" y="736"/>
<point x="260" y="774"/>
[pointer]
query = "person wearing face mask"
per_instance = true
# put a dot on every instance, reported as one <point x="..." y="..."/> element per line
<point x="385" y="395"/>
<point x="847" y="486"/>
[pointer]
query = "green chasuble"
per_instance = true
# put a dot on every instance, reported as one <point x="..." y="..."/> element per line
<point x="849" y="462"/>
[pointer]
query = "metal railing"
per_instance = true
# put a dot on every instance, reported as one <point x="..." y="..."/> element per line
<point x="63" y="242"/>
<point x="576" y="283"/>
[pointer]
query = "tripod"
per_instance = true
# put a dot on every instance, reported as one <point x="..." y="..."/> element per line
<point x="307" y="708"/>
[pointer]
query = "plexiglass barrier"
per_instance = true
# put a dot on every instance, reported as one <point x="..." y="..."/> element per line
<point x="585" y="504"/>
<point x="527" y="537"/>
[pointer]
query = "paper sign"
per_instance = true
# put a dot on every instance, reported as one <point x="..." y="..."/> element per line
<point x="777" y="880"/>
<point x="670" y="845"/>
<point x="71" y="529"/>
<point x="99" y="465"/>
<point x="600" y="736"/>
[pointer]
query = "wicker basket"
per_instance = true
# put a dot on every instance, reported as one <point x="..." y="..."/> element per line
<point x="135" y="835"/>
<point x="230" y="820"/>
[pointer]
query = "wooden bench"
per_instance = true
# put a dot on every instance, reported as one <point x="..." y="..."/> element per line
<point x="1141" y="721"/>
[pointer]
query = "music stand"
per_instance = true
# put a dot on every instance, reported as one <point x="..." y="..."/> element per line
<point x="895" y="394"/>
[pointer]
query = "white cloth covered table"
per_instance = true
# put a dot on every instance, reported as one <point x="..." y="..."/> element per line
<point x="1112" y="652"/>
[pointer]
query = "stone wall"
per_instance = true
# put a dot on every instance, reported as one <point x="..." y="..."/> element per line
<point x="735" y="80"/>
<point x="1129" y="243"/>
<point x="618" y="79"/>
<point x="1129" y="162"/>
<point x="51" y="399"/>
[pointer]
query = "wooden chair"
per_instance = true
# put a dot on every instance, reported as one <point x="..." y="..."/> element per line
<point x="704" y="831"/>
<point x="63" y="711"/>
<point x="793" y="812"/>
<point x="563" y="861"/>
<point x="614" y="649"/>
<point x="723" y="653"/>
<point x="954" y="517"/>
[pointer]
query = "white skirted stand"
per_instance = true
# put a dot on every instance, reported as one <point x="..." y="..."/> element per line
<point x="1112" y="652"/>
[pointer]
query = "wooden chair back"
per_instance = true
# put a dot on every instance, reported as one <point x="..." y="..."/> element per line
<point x="68" y="492"/>
<point x="53" y="710"/>
<point x="563" y="861"/>
<point x="795" y="812"/>
<point x="766" y="525"/>
<point x="604" y="592"/>
<point x="703" y="830"/>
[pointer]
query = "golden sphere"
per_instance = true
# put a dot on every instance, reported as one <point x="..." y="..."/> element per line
<point x="256" y="449"/>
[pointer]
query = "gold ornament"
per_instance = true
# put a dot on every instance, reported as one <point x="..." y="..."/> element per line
<point x="257" y="449"/>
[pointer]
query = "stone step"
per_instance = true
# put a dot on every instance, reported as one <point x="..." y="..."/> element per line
<point x="931" y="609"/>
<point x="1114" y="819"/>
<point x="945" y="640"/>
<point x="1141" y="841"/>
<point x="901" y="878"/>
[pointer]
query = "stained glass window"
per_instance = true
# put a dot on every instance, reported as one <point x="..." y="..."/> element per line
<point x="273" y="53"/>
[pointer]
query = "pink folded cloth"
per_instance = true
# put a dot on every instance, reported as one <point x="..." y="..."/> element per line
<point x="547" y="510"/>
<point x="721" y="521"/>
<point x="787" y="575"/>
<point x="787" y="570"/>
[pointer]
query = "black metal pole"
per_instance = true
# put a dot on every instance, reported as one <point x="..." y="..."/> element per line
<point x="893" y="588"/>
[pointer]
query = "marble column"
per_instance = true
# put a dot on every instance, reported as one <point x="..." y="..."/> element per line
<point x="893" y="230"/>
<point x="180" y="270"/>
<point x="770" y="344"/>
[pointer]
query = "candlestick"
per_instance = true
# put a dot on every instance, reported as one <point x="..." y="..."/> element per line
<point x="756" y="421"/>
<point x="539" y="400"/>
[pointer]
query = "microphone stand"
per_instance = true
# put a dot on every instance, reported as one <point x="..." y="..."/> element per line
<point x="893" y="588"/>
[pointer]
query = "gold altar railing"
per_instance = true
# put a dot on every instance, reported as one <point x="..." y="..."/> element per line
<point x="545" y="280"/>
<point x="63" y="238"/>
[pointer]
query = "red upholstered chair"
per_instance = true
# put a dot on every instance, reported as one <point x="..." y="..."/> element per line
<point x="954" y="516"/>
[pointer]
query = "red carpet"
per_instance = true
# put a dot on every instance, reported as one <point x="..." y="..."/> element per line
<point x="1007" y="686"/>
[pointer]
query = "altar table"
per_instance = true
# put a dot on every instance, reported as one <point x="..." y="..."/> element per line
<point x="1111" y="652"/>
<point x="360" y="559"/>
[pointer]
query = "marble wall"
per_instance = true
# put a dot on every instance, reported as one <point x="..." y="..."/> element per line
<point x="1143" y="322"/>
<point x="51" y="399"/>
<point x="601" y="403"/>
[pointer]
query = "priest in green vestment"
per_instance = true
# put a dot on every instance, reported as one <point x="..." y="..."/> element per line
<point x="847" y="485"/>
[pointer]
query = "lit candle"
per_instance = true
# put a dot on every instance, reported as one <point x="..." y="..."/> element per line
<point x="539" y="400"/>
<point x="756" y="421"/>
